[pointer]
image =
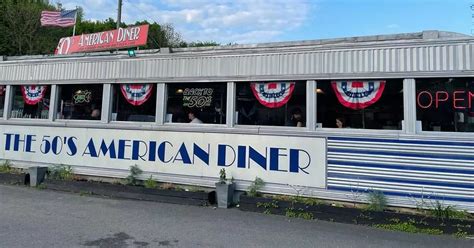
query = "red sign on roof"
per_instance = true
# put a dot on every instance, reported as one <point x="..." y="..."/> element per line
<point x="107" y="40"/>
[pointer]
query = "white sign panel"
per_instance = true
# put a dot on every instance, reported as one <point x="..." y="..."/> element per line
<point x="275" y="159"/>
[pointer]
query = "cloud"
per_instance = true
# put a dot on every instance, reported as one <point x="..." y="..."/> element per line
<point x="223" y="21"/>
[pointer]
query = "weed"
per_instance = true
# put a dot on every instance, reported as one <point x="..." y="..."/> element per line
<point x="460" y="234"/>
<point x="267" y="211"/>
<point x="41" y="186"/>
<point x="222" y="176"/>
<point x="442" y="212"/>
<point x="298" y="213"/>
<point x="150" y="183"/>
<point x="6" y="167"/>
<point x="307" y="201"/>
<point x="83" y="193"/>
<point x="377" y="201"/>
<point x="267" y="205"/>
<point x="60" y="172"/>
<point x="255" y="187"/>
<point x="132" y="178"/>
<point x="394" y="220"/>
<point x="409" y="227"/>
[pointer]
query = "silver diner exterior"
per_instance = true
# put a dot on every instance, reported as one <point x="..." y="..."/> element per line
<point x="413" y="142"/>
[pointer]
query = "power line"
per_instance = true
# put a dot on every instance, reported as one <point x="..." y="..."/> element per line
<point x="151" y="37"/>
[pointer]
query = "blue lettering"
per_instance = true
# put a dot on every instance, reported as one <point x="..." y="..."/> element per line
<point x="183" y="153"/>
<point x="295" y="160"/>
<point x="90" y="149"/>
<point x="201" y="153"/>
<point x="122" y="149"/>
<point x="152" y="153"/>
<point x="258" y="158"/>
<point x="8" y="140"/>
<point x="242" y="153"/>
<point x="275" y="158"/>
<point x="161" y="152"/>
<point x="221" y="155"/>
<point x="104" y="149"/>
<point x="29" y="141"/>
<point x="72" y="146"/>
<point x="136" y="150"/>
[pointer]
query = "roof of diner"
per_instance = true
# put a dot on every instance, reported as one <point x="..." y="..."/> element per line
<point x="357" y="41"/>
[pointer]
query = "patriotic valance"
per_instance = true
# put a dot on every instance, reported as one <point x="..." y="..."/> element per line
<point x="273" y="95"/>
<point x="358" y="94"/>
<point x="32" y="94"/>
<point x="136" y="94"/>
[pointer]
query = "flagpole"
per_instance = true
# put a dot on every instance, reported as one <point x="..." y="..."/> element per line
<point x="75" y="22"/>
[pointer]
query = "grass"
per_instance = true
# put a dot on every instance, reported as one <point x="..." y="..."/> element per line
<point x="60" y="172"/>
<point x="150" y="183"/>
<point x="6" y="167"/>
<point x="298" y="213"/>
<point x="409" y="228"/>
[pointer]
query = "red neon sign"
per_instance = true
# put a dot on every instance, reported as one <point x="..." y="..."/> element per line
<point x="107" y="40"/>
<point x="458" y="99"/>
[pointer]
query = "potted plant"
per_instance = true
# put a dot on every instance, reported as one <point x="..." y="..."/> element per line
<point x="224" y="190"/>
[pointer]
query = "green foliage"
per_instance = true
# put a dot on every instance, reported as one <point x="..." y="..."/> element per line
<point x="268" y="205"/>
<point x="443" y="213"/>
<point x="409" y="227"/>
<point x="306" y="201"/>
<point x="132" y="178"/>
<point x="298" y="213"/>
<point x="255" y="187"/>
<point x="22" y="33"/>
<point x="460" y="234"/>
<point x="6" y="167"/>
<point x="222" y="176"/>
<point x="150" y="183"/>
<point x="60" y="172"/>
<point x="377" y="201"/>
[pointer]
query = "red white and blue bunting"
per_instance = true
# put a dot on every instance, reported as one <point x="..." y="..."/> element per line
<point x="273" y="95"/>
<point x="358" y="94"/>
<point x="136" y="94"/>
<point x="33" y="94"/>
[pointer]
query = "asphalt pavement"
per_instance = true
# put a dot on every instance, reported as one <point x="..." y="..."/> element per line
<point x="37" y="218"/>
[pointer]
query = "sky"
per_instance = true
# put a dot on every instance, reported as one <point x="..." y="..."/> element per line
<point x="257" y="21"/>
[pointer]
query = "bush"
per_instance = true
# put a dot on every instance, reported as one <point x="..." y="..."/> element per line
<point x="377" y="201"/>
<point x="150" y="183"/>
<point x="60" y="172"/>
<point x="442" y="212"/>
<point x="6" y="167"/>
<point x="255" y="187"/>
<point x="132" y="178"/>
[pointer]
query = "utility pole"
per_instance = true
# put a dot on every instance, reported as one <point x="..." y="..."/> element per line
<point x="119" y="13"/>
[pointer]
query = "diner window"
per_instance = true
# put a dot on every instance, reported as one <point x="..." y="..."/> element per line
<point x="80" y="101"/>
<point x="271" y="103"/>
<point x="30" y="101"/>
<point x="134" y="102"/>
<point x="197" y="103"/>
<point x="363" y="104"/>
<point x="445" y="104"/>
<point x="2" y="98"/>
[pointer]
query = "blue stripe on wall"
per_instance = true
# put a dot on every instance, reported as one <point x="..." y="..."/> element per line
<point x="403" y="154"/>
<point x="399" y="167"/>
<point x="420" y="142"/>
<point x="415" y="195"/>
<point x="403" y="181"/>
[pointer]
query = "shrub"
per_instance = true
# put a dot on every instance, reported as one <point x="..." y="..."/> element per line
<point x="442" y="212"/>
<point x="150" y="183"/>
<point x="60" y="172"/>
<point x="132" y="178"/>
<point x="6" y="167"/>
<point x="222" y="176"/>
<point x="377" y="201"/>
<point x="254" y="188"/>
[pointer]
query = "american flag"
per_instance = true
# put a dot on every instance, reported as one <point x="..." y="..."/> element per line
<point x="65" y="18"/>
